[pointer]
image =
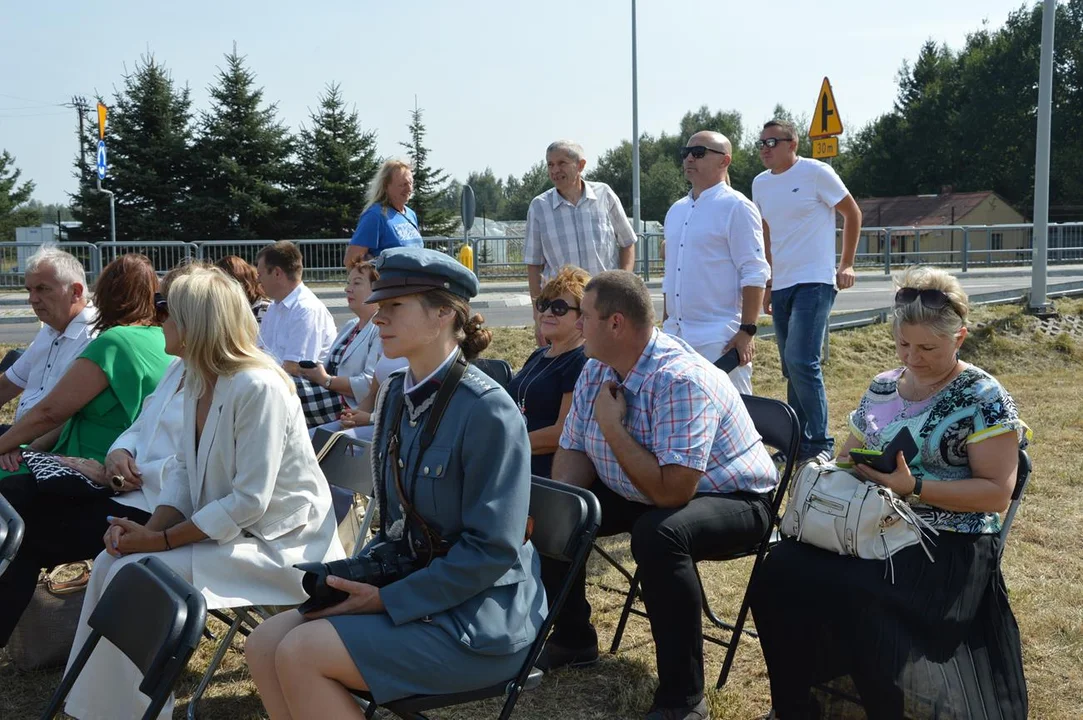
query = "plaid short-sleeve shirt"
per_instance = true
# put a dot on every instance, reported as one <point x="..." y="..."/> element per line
<point x="683" y="410"/>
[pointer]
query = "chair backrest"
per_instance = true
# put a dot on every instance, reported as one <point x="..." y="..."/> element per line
<point x="777" y="424"/>
<point x="346" y="463"/>
<point x="1022" y="476"/>
<point x="9" y="358"/>
<point x="564" y="516"/>
<point x="155" y="618"/>
<point x="11" y="533"/>
<point x="498" y="370"/>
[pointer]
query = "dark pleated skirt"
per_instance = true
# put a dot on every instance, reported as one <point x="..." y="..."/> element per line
<point x="842" y="641"/>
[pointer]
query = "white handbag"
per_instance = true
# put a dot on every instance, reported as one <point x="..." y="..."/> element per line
<point x="835" y="510"/>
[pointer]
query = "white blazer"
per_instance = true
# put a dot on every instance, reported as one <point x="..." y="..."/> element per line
<point x="359" y="359"/>
<point x="154" y="438"/>
<point x="255" y="488"/>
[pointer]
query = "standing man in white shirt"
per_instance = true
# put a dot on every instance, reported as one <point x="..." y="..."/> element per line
<point x="798" y="199"/>
<point x="716" y="269"/>
<point x="575" y="222"/>
<point x="56" y="282"/>
<point x="298" y="325"/>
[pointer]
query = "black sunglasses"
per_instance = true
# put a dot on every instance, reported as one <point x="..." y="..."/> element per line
<point x="160" y="304"/>
<point x="930" y="297"/>
<point x="698" y="151"/>
<point x="770" y="142"/>
<point x="558" y="307"/>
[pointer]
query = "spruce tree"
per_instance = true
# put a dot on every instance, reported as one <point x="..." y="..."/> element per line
<point x="13" y="198"/>
<point x="335" y="163"/>
<point x="429" y="183"/>
<point x="242" y="153"/>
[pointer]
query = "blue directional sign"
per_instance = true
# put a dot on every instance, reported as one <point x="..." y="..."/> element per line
<point x="102" y="166"/>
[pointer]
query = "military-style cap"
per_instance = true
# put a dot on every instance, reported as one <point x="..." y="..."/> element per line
<point x="410" y="270"/>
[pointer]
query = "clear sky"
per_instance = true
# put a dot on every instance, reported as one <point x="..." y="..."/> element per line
<point x="498" y="79"/>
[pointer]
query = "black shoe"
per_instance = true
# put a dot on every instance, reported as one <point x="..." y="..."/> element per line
<point x="554" y="656"/>
<point x="699" y="711"/>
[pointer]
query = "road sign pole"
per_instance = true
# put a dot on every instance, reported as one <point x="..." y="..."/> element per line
<point x="1039" y="303"/>
<point x="635" y="130"/>
<point x="112" y="212"/>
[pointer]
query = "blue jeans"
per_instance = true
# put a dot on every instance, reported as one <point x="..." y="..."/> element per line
<point x="800" y="313"/>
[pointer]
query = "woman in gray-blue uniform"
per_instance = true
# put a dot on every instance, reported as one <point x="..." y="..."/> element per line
<point x="459" y="501"/>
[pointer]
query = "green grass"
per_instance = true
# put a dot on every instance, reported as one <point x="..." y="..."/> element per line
<point x="1043" y="564"/>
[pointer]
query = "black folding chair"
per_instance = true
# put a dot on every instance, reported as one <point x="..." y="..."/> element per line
<point x="9" y="358"/>
<point x="11" y="533"/>
<point x="566" y="520"/>
<point x="777" y="423"/>
<point x="498" y="370"/>
<point x="155" y="618"/>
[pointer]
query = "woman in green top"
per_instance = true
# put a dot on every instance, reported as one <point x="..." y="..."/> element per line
<point x="100" y="396"/>
<point x="96" y="400"/>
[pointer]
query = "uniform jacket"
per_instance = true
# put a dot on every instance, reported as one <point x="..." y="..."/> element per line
<point x="255" y="488"/>
<point x="473" y="484"/>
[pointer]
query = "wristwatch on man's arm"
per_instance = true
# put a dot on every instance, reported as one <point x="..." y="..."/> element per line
<point x="749" y="329"/>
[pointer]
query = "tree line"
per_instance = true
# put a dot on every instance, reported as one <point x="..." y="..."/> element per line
<point x="962" y="119"/>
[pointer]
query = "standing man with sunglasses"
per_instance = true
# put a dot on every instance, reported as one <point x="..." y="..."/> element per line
<point x="716" y="267"/>
<point x="798" y="199"/>
<point x="576" y="222"/>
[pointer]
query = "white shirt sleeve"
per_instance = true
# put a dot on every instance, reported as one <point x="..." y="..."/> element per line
<point x="19" y="372"/>
<point x="532" y="249"/>
<point x="746" y="245"/>
<point x="621" y="227"/>
<point x="829" y="186"/>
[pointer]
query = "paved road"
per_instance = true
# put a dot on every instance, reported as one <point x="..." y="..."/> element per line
<point x="869" y="293"/>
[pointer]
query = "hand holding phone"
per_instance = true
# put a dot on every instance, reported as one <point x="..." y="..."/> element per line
<point x="306" y="364"/>
<point x="728" y="362"/>
<point x="885" y="460"/>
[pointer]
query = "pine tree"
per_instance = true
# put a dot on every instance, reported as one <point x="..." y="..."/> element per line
<point x="336" y="161"/>
<point x="242" y="152"/>
<point x="428" y="183"/>
<point x="148" y="138"/>
<point x="13" y="212"/>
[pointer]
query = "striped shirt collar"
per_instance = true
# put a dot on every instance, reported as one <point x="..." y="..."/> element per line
<point x="556" y="199"/>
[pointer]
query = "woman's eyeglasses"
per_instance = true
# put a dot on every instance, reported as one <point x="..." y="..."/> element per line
<point x="558" y="307"/>
<point x="160" y="304"/>
<point x="930" y="297"/>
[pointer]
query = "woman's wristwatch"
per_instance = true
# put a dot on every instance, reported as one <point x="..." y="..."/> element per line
<point x="915" y="495"/>
<point x="327" y="383"/>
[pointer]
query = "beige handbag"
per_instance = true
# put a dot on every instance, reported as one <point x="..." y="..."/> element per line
<point x="46" y="630"/>
<point x="835" y="510"/>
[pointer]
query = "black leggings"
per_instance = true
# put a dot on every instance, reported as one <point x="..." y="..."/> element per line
<point x="58" y="530"/>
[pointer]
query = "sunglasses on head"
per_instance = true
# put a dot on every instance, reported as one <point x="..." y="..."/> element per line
<point x="770" y="142"/>
<point x="698" y="151"/>
<point x="160" y="304"/>
<point x="930" y="297"/>
<point x="558" y="307"/>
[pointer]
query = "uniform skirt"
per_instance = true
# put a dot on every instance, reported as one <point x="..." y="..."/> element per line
<point x="418" y="658"/>
<point x="842" y="640"/>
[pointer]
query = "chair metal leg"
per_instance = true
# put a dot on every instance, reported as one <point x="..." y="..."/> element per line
<point x="633" y="593"/>
<point x="219" y="653"/>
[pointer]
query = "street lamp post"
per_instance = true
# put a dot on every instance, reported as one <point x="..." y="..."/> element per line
<point x="635" y="129"/>
<point x="1039" y="303"/>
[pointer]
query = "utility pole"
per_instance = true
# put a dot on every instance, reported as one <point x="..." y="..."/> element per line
<point x="1039" y="302"/>
<point x="79" y="103"/>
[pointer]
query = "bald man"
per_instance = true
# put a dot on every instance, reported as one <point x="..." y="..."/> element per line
<point x="716" y="267"/>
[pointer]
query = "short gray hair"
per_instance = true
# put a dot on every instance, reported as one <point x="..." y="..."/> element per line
<point x="67" y="268"/>
<point x="572" y="149"/>
<point x="945" y="321"/>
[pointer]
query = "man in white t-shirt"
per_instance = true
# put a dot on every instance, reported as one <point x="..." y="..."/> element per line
<point x="716" y="267"/>
<point x="798" y="199"/>
<point x="297" y="326"/>
<point x="56" y="283"/>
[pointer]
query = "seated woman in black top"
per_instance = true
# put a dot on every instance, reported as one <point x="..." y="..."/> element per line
<point x="543" y="388"/>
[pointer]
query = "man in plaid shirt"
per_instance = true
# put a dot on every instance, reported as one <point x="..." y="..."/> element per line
<point x="663" y="440"/>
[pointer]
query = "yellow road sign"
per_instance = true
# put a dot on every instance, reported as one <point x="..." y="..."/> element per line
<point x="102" y="110"/>
<point x="827" y="147"/>
<point x="825" y="119"/>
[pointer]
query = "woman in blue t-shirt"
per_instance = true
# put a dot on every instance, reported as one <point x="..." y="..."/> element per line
<point x="386" y="222"/>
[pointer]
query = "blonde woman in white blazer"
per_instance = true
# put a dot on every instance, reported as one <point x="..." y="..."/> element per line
<point x="244" y="498"/>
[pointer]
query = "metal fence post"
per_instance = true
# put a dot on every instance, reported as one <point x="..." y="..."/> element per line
<point x="887" y="251"/>
<point x="966" y="248"/>
<point x="646" y="244"/>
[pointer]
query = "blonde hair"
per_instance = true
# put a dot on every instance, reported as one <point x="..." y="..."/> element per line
<point x="216" y="327"/>
<point x="377" y="194"/>
<point x="946" y="321"/>
<point x="569" y="279"/>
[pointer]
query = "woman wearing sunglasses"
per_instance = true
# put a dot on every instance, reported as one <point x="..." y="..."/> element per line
<point x="543" y="388"/>
<point x="940" y="639"/>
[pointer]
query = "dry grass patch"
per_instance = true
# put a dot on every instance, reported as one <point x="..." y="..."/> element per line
<point x="1043" y="563"/>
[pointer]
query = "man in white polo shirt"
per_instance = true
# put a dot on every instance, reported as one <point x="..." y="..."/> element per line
<point x="798" y="199"/>
<point x="56" y="282"/>
<point x="716" y="269"/>
<point x="575" y="222"/>
<point x="298" y="325"/>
